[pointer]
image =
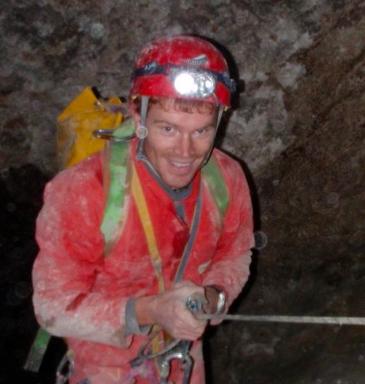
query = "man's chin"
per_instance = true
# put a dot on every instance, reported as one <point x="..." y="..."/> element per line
<point x="178" y="182"/>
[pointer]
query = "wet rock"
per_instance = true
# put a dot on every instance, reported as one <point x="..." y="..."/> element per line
<point x="300" y="130"/>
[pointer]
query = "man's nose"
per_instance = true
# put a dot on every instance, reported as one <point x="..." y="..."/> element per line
<point x="185" y="146"/>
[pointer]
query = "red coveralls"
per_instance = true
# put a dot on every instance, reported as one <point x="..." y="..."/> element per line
<point x="81" y="295"/>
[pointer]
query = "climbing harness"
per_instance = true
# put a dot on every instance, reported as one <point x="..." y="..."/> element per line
<point x="116" y="175"/>
<point x="176" y="349"/>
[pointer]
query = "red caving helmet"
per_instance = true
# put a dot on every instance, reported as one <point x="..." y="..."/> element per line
<point x="183" y="67"/>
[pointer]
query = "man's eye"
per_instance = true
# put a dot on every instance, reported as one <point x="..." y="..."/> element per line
<point x="167" y="129"/>
<point x="203" y="131"/>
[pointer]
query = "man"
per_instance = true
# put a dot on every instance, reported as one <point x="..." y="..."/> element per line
<point x="184" y="231"/>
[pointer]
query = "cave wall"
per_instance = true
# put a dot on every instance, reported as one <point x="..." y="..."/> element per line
<point x="299" y="129"/>
<point x="51" y="50"/>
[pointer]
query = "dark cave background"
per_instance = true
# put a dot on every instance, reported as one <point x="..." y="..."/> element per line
<point x="299" y="129"/>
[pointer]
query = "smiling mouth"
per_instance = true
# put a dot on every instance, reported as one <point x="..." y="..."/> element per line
<point x="181" y="164"/>
<point x="181" y="168"/>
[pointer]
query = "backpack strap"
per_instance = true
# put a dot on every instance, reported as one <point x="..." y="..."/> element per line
<point x="115" y="183"/>
<point x="217" y="185"/>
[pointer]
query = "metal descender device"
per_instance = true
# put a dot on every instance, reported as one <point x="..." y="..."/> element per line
<point x="176" y="350"/>
<point x="180" y="352"/>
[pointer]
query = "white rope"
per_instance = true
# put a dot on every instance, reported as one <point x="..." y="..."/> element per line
<point x="336" y="320"/>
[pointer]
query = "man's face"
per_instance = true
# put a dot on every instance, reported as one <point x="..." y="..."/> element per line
<point x="178" y="142"/>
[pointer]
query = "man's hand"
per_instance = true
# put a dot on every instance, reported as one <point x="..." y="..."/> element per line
<point x="213" y="304"/>
<point x="169" y="310"/>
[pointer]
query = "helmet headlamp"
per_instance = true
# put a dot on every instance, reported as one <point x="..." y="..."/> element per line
<point x="188" y="81"/>
<point x="193" y="83"/>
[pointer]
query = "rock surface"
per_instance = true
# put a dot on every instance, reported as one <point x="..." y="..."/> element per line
<point x="299" y="128"/>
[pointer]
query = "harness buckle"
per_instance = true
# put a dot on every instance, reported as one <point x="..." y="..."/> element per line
<point x="65" y="368"/>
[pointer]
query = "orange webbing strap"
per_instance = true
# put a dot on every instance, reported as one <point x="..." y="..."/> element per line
<point x="147" y="225"/>
<point x="145" y="218"/>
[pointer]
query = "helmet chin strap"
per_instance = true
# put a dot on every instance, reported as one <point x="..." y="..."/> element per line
<point x="141" y="129"/>
<point x="144" y="108"/>
<point x="221" y="109"/>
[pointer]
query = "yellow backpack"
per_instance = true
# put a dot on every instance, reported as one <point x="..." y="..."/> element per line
<point x="85" y="114"/>
<point x="76" y="124"/>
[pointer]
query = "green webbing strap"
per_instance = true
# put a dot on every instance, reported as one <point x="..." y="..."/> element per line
<point x="37" y="351"/>
<point x="116" y="183"/>
<point x="111" y="224"/>
<point x="216" y="185"/>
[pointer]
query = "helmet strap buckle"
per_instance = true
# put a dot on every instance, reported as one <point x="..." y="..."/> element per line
<point x="141" y="131"/>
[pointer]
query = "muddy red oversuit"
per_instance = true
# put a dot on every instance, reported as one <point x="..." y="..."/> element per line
<point x="83" y="296"/>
